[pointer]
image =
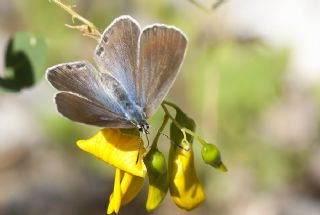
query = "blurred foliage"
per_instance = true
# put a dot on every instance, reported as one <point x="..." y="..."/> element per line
<point x="25" y="61"/>
<point x="250" y="81"/>
<point x="316" y="95"/>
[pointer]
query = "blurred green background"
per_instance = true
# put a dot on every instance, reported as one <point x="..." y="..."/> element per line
<point x="241" y="86"/>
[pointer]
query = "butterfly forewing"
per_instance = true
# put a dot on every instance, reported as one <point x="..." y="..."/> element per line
<point x="117" y="52"/>
<point x="162" y="50"/>
<point x="83" y="110"/>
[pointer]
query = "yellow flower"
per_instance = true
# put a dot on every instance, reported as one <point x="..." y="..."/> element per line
<point x="185" y="187"/>
<point x="126" y="188"/>
<point x="121" y="151"/>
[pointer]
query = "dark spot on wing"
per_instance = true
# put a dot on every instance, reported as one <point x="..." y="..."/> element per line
<point x="80" y="65"/>
<point x="69" y="67"/>
<point x="119" y="93"/>
<point x="100" y="50"/>
<point x="105" y="38"/>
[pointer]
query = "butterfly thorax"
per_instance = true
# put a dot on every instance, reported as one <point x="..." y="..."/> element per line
<point x="135" y="114"/>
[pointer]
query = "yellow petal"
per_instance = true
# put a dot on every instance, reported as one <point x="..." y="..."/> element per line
<point x="115" y="197"/>
<point x="158" y="189"/>
<point x="130" y="187"/>
<point x="126" y="188"/>
<point x="185" y="187"/>
<point x="118" y="149"/>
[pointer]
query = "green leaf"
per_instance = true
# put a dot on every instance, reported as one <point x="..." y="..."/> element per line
<point x="24" y="61"/>
<point x="186" y="122"/>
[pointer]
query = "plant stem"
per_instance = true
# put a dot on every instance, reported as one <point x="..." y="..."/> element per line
<point x="172" y="118"/>
<point x="196" y="3"/>
<point x="183" y="129"/>
<point x="188" y="131"/>
<point x="169" y="115"/>
<point x="163" y="125"/>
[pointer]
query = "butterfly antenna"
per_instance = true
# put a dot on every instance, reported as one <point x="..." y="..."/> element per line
<point x="148" y="142"/>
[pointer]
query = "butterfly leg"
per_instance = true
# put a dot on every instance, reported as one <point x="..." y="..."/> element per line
<point x="139" y="149"/>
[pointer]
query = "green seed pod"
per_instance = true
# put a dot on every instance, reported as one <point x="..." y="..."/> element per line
<point x="211" y="155"/>
<point x="155" y="162"/>
<point x="158" y="178"/>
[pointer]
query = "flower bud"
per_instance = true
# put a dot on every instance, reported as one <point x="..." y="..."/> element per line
<point x="155" y="162"/>
<point x="158" y="178"/>
<point x="185" y="187"/>
<point x="211" y="155"/>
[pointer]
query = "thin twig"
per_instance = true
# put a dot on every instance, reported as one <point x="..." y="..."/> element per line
<point x="217" y="4"/>
<point x="200" y="6"/>
<point x="88" y="28"/>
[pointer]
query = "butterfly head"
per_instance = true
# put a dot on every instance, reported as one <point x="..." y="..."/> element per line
<point x="143" y="127"/>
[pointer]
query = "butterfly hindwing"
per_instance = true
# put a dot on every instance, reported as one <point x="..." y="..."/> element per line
<point x="80" y="109"/>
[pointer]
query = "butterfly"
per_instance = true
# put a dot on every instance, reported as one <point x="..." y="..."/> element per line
<point x="135" y="70"/>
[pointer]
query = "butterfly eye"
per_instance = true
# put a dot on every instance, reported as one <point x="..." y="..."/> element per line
<point x="140" y="128"/>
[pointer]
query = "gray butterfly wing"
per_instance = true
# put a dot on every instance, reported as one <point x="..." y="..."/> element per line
<point x="117" y="52"/>
<point x="162" y="50"/>
<point x="81" y="109"/>
<point x="93" y="89"/>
